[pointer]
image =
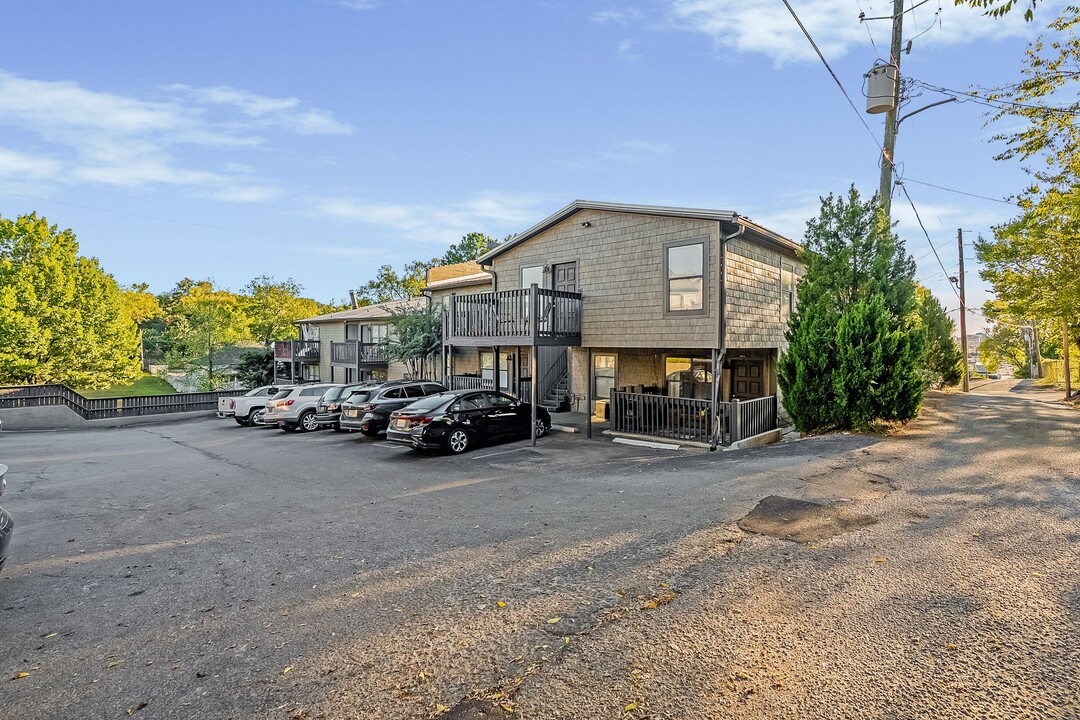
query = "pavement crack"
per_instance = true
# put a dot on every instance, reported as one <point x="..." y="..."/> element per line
<point x="202" y="451"/>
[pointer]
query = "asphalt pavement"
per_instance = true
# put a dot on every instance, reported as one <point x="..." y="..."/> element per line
<point x="203" y="570"/>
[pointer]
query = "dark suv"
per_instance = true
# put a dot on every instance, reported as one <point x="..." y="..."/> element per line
<point x="369" y="410"/>
<point x="328" y="411"/>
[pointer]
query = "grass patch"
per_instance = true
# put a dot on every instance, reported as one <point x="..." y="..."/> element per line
<point x="146" y="385"/>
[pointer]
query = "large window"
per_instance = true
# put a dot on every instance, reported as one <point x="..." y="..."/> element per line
<point x="603" y="376"/>
<point x="688" y="377"/>
<point x="684" y="276"/>
<point x="533" y="274"/>
<point x="487" y="368"/>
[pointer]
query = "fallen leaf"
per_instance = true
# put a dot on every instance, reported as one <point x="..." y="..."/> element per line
<point x="440" y="708"/>
<point x="813" y="547"/>
<point x="566" y="640"/>
<point x="20" y="676"/>
<point x="552" y="621"/>
<point x="630" y="708"/>
<point x="976" y="535"/>
<point x="114" y="663"/>
<point x="879" y="560"/>
<point x="52" y="634"/>
<point x="1037" y="574"/>
<point x="287" y="670"/>
<point x="501" y="604"/>
<point x="950" y="646"/>
<point x="663" y="585"/>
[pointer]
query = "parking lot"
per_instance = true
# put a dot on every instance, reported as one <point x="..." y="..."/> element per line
<point x="198" y="569"/>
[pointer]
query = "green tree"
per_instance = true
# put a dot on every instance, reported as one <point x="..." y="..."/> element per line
<point x="943" y="363"/>
<point x="415" y="339"/>
<point x="62" y="318"/>
<point x="204" y="320"/>
<point x="255" y="368"/>
<point x="273" y="305"/>
<point x="855" y="344"/>
<point x="470" y="247"/>
<point x="389" y="285"/>
<point x="1004" y="343"/>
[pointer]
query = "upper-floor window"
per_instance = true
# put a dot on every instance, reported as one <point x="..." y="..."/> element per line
<point x="685" y="276"/>
<point x="787" y="291"/>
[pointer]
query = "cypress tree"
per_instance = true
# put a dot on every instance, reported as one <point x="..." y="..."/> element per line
<point x="854" y="344"/>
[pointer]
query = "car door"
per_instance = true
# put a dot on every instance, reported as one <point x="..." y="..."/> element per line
<point x="504" y="415"/>
<point x="470" y="411"/>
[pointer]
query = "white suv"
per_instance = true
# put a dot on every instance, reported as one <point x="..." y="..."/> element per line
<point x="294" y="409"/>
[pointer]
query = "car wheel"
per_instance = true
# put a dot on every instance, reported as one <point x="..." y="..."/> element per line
<point x="308" y="422"/>
<point x="240" y="421"/>
<point x="458" y="441"/>
<point x="256" y="416"/>
<point x="541" y="428"/>
<point x="369" y="433"/>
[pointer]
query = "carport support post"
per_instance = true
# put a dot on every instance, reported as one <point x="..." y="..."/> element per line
<point x="714" y="436"/>
<point x="588" y="395"/>
<point x="534" y="385"/>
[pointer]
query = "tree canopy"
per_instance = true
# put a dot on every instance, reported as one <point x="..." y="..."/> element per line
<point x="388" y="284"/>
<point x="62" y="318"/>
<point x="944" y="361"/>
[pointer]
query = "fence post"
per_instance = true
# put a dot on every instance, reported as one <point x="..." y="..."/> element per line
<point x="736" y="420"/>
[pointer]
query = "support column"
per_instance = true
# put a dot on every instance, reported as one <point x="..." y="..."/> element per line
<point x="714" y="438"/>
<point x="1065" y="356"/>
<point x="534" y="320"/>
<point x="495" y="367"/>
<point x="588" y="394"/>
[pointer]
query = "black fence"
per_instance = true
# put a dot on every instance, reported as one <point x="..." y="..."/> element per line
<point x="675" y="418"/>
<point x="23" y="396"/>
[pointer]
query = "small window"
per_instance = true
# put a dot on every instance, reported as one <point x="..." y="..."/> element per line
<point x="532" y="274"/>
<point x="433" y="389"/>
<point x="414" y="391"/>
<point x="394" y="393"/>
<point x="465" y="404"/>
<point x="312" y="392"/>
<point x="787" y="291"/>
<point x="684" y="271"/>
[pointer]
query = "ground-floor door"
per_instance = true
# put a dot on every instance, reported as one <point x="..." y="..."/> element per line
<point x="747" y="379"/>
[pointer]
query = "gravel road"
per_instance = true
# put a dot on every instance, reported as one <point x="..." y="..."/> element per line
<point x="195" y="570"/>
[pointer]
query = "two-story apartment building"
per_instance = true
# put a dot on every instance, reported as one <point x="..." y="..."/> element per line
<point x="656" y="317"/>
<point x="343" y="346"/>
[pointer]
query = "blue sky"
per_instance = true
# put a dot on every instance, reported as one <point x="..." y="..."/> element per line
<point x="318" y="139"/>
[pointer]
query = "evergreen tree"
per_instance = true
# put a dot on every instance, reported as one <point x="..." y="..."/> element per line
<point x="944" y="361"/>
<point x="855" y="346"/>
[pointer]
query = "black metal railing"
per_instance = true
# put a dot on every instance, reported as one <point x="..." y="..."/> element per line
<point x="300" y="350"/>
<point x="22" y="396"/>
<point x="551" y="362"/>
<point x="508" y="314"/>
<point x="691" y="419"/>
<point x="355" y="353"/>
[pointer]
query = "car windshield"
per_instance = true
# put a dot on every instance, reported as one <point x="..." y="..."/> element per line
<point x="359" y="396"/>
<point x="429" y="403"/>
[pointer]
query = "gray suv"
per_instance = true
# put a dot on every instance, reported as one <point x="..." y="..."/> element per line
<point x="369" y="411"/>
<point x="294" y="409"/>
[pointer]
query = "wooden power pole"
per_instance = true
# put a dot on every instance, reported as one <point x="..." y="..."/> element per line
<point x="963" y="306"/>
<point x="889" y="147"/>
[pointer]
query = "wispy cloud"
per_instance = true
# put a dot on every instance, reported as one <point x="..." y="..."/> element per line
<point x="489" y="212"/>
<point x="626" y="51"/>
<point x="358" y="4"/>
<point x="626" y="152"/>
<point x="766" y="27"/>
<point x="104" y="138"/>
<point x="618" y="16"/>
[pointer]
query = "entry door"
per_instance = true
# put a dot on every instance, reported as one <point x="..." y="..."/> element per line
<point x="564" y="277"/>
<point x="746" y="379"/>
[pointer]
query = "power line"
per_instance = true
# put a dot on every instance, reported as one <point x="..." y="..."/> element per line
<point x="991" y="102"/>
<point x="155" y="217"/>
<point x="900" y="184"/>
<point x="960" y="192"/>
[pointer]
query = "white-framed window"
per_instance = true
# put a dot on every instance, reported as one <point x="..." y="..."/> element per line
<point x="603" y="376"/>
<point x="685" y="276"/>
<point x="787" y="291"/>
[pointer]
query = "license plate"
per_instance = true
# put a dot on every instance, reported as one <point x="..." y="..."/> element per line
<point x="401" y="423"/>
<point x="350" y="413"/>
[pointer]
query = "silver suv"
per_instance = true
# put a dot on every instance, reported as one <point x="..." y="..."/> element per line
<point x="294" y="409"/>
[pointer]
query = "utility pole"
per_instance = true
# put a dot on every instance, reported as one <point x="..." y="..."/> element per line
<point x="963" y="307"/>
<point x="891" y="126"/>
<point x="1065" y="356"/>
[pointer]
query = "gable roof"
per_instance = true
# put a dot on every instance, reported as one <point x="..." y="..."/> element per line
<point x="380" y="311"/>
<point x="755" y="231"/>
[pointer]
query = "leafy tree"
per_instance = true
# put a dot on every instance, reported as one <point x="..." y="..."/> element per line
<point x="273" y="305"/>
<point x="62" y="318"/>
<point x="1004" y="343"/>
<point x="415" y="338"/>
<point x="205" y="319"/>
<point x="141" y="305"/>
<point x="1000" y="8"/>
<point x="944" y="361"/>
<point x="255" y="368"/>
<point x="389" y="285"/>
<point x="855" y="345"/>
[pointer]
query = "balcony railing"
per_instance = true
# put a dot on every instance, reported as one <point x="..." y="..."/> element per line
<point x="552" y="316"/>
<point x="352" y="353"/>
<point x="691" y="419"/>
<point x="306" y="351"/>
<point x="471" y="382"/>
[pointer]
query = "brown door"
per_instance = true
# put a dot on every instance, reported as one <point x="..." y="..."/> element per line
<point x="746" y="379"/>
<point x="564" y="277"/>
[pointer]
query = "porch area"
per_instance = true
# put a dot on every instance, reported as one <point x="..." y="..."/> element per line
<point x="691" y="419"/>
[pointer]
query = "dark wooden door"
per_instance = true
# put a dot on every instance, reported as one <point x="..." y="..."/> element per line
<point x="564" y="277"/>
<point x="746" y="379"/>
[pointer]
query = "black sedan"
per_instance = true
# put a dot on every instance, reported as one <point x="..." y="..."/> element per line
<point x="455" y="421"/>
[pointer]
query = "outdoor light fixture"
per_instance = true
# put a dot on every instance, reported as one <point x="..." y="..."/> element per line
<point x="586" y="224"/>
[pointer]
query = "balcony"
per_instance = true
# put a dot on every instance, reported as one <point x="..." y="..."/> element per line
<point x="303" y="351"/>
<point x="352" y="353"/>
<point x="514" y="317"/>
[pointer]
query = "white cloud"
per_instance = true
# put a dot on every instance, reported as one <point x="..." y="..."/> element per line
<point x="624" y="16"/>
<point x="108" y="139"/>
<point x="625" y="51"/>
<point x="766" y="27"/>
<point x="358" y="4"/>
<point x="489" y="212"/>
<point x="626" y="152"/>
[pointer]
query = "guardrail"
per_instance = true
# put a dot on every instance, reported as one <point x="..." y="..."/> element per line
<point x="353" y="353"/>
<point x="471" y="382"/>
<point x="23" y="396"/>
<point x="691" y="419"/>
<point x="506" y="314"/>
